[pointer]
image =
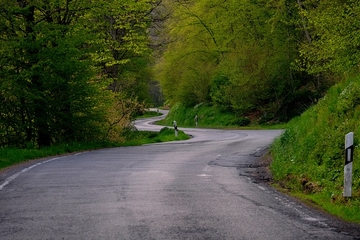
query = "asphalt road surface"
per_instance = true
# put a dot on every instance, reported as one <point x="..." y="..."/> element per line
<point x="203" y="188"/>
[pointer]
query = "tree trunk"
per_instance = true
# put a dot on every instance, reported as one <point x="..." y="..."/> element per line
<point x="307" y="34"/>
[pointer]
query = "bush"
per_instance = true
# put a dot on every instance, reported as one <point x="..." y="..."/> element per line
<point x="241" y="121"/>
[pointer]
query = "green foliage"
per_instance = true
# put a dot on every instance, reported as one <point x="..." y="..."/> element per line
<point x="238" y="55"/>
<point x="148" y="114"/>
<point x="49" y="82"/>
<point x="309" y="156"/>
<point x="125" y="43"/>
<point x="219" y="91"/>
<point x="58" y="62"/>
<point x="334" y="45"/>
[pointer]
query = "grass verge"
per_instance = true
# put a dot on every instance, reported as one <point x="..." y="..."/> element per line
<point x="136" y="138"/>
<point x="346" y="209"/>
<point x="12" y="156"/>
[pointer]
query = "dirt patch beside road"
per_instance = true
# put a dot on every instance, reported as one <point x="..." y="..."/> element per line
<point x="258" y="170"/>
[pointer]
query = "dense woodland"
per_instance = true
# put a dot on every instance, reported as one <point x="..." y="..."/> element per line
<point x="264" y="59"/>
<point x="77" y="70"/>
<point x="72" y="70"/>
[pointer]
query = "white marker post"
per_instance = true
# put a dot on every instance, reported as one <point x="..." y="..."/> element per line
<point x="176" y="129"/>
<point x="349" y="154"/>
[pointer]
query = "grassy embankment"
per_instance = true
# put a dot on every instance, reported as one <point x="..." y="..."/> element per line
<point x="210" y="117"/>
<point x="12" y="156"/>
<point x="308" y="159"/>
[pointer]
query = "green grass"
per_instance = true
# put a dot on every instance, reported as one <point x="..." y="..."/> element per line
<point x="136" y="138"/>
<point x="308" y="159"/>
<point x="346" y="209"/>
<point x="210" y="117"/>
<point x="12" y="156"/>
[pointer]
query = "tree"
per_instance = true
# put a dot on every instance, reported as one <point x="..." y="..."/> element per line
<point x="240" y="55"/>
<point x="334" y="48"/>
<point x="54" y="83"/>
<point x="190" y="58"/>
<point x="126" y="38"/>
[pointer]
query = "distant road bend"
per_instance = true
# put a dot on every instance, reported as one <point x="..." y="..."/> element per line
<point x="196" y="189"/>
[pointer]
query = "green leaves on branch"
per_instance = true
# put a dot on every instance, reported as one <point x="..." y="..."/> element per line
<point x="335" y="40"/>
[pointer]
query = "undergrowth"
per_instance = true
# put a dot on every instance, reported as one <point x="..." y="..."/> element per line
<point x="209" y="117"/>
<point x="135" y="138"/>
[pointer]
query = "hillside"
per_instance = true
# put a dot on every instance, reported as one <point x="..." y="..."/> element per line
<point x="308" y="159"/>
<point x="271" y="59"/>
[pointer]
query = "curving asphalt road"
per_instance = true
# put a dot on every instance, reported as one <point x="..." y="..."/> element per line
<point x="196" y="189"/>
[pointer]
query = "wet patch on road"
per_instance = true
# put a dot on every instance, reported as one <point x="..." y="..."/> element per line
<point x="254" y="166"/>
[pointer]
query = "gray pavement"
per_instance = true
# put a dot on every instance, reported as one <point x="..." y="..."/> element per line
<point x="180" y="190"/>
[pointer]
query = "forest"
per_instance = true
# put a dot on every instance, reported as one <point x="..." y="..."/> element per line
<point x="79" y="70"/>
<point x="72" y="70"/>
<point x="265" y="59"/>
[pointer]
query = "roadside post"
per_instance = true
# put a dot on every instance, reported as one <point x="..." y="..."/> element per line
<point x="196" y="120"/>
<point x="349" y="155"/>
<point x="176" y="129"/>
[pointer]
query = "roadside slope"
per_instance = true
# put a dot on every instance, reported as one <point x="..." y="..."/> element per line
<point x="308" y="158"/>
